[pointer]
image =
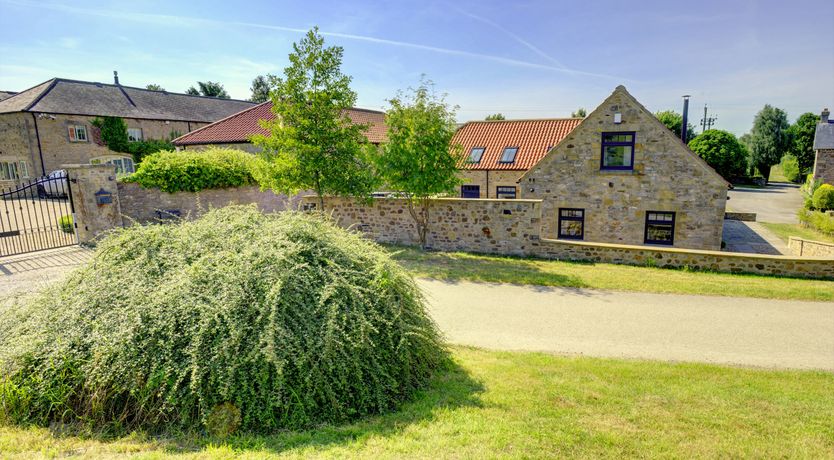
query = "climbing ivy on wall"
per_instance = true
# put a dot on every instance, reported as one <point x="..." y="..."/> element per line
<point x="113" y="132"/>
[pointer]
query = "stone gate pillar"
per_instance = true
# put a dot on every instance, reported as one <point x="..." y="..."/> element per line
<point x="95" y="199"/>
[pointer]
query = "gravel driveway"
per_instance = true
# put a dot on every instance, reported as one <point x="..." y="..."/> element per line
<point x="669" y="327"/>
<point x="778" y="202"/>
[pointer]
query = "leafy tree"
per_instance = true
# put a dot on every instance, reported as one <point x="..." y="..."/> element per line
<point x="790" y="168"/>
<point x="495" y="117"/>
<point x="769" y="138"/>
<point x="802" y="132"/>
<point x="260" y="89"/>
<point x="209" y="89"/>
<point x="674" y="121"/>
<point x="113" y="132"/>
<point x="155" y="87"/>
<point x="417" y="160"/>
<point x="580" y="113"/>
<point x="721" y="150"/>
<point x="312" y="144"/>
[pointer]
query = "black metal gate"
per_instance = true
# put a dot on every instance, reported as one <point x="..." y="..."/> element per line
<point x="37" y="215"/>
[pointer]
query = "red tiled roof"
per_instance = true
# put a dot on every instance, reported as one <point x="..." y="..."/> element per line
<point x="532" y="137"/>
<point x="240" y="126"/>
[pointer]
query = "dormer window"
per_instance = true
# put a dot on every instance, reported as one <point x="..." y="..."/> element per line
<point x="475" y="154"/>
<point x="508" y="155"/>
<point x="617" y="151"/>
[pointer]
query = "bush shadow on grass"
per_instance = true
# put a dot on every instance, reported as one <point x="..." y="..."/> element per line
<point x="456" y="266"/>
<point x="451" y="388"/>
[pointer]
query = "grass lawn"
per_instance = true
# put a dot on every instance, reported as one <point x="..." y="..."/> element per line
<point x="501" y="404"/>
<point x="459" y="265"/>
<point x="784" y="231"/>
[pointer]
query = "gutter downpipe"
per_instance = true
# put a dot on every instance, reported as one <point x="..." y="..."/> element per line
<point x="38" y="137"/>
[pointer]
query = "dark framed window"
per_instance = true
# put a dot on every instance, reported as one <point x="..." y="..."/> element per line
<point x="508" y="155"/>
<point x="470" y="191"/>
<point x="502" y="191"/>
<point x="660" y="228"/>
<point x="476" y="153"/>
<point x="617" y="151"/>
<point x="571" y="223"/>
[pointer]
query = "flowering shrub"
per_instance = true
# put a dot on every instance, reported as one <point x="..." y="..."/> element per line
<point x="194" y="170"/>
<point x="235" y="321"/>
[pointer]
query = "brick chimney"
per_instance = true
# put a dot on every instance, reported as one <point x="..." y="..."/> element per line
<point x="116" y="78"/>
<point x="824" y="116"/>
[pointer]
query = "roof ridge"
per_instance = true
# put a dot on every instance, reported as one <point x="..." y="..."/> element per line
<point x="96" y="83"/>
<point x="41" y="95"/>
<point x="18" y="93"/>
<point x="525" y="119"/>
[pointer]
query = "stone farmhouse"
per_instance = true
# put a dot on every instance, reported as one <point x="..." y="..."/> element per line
<point x="235" y="131"/>
<point x="49" y="125"/>
<point x="622" y="177"/>
<point x="497" y="153"/>
<point x="824" y="148"/>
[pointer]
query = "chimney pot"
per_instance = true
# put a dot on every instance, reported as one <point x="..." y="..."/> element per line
<point x="824" y="115"/>
<point x="116" y="77"/>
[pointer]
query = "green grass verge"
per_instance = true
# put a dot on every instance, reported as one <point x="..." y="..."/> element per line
<point x="784" y="231"/>
<point x="526" y="405"/>
<point x="465" y="266"/>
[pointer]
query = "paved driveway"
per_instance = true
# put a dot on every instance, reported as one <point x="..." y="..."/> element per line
<point x="727" y="330"/>
<point x="778" y="202"/>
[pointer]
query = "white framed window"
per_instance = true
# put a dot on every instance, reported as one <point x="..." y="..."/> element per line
<point x="77" y="133"/>
<point x="134" y="134"/>
<point x="124" y="165"/>
<point x="9" y="171"/>
<point x="23" y="170"/>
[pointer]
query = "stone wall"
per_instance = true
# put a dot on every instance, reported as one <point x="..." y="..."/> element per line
<point x="489" y="180"/>
<point x="809" y="248"/>
<point x="18" y="143"/>
<point x="666" y="176"/>
<point x="93" y="213"/>
<point x="741" y="216"/>
<point x="480" y="225"/>
<point x="143" y="205"/>
<point x="513" y="227"/>
<point x="824" y="166"/>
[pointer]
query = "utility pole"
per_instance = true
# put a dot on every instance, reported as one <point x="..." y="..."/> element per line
<point x="685" y="117"/>
<point x="707" y="122"/>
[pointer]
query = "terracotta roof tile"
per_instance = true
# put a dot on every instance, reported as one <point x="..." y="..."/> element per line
<point x="240" y="126"/>
<point x="532" y="137"/>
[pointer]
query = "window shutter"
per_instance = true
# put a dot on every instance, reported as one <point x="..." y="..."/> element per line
<point x="71" y="130"/>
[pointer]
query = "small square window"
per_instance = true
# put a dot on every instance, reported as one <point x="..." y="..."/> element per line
<point x="134" y="134"/>
<point x="508" y="156"/>
<point x="571" y="223"/>
<point x="470" y="191"/>
<point x="77" y="133"/>
<point x="660" y="228"/>
<point x="505" y="192"/>
<point x="617" y="151"/>
<point x="475" y="154"/>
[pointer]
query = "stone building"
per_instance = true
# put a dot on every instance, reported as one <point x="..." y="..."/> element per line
<point x="824" y="148"/>
<point x="235" y="130"/>
<point x="49" y="125"/>
<point x="497" y="153"/>
<point x="622" y="177"/>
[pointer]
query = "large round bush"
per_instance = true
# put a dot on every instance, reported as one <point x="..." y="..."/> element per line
<point x="238" y="318"/>
<point x="722" y="151"/>
<point x="823" y="198"/>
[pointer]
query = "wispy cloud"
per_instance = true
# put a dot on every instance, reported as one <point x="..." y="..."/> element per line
<point x="69" y="42"/>
<point x="180" y="21"/>
<point x="512" y="35"/>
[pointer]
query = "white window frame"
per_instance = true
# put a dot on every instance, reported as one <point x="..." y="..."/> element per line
<point x="76" y="130"/>
<point x="120" y="162"/>
<point x="23" y="169"/>
<point x="131" y="137"/>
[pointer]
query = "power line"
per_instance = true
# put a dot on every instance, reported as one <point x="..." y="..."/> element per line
<point x="707" y="121"/>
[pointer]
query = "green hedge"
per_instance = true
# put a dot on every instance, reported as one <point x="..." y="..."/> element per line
<point x="818" y="220"/>
<point x="823" y="199"/>
<point x="194" y="170"/>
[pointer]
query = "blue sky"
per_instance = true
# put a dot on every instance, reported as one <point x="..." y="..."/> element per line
<point x="526" y="59"/>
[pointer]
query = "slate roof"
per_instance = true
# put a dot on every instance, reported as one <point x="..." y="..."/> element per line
<point x="532" y="137"/>
<point x="824" y="136"/>
<point x="6" y="94"/>
<point x="73" y="97"/>
<point x="239" y="127"/>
